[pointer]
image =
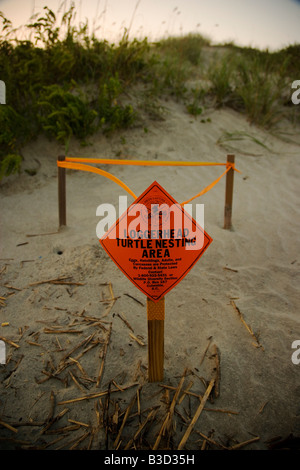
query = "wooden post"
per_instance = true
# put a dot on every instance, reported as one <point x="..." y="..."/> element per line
<point x="156" y="320"/>
<point x="228" y="194"/>
<point x="62" y="211"/>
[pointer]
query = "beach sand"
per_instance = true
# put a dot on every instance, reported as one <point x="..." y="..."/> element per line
<point x="241" y="299"/>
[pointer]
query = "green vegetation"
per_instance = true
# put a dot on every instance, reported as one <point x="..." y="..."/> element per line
<point x="252" y="82"/>
<point x="66" y="83"/>
<point x="63" y="85"/>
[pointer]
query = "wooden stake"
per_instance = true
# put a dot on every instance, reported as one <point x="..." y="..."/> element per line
<point x="228" y="194"/>
<point x="62" y="212"/>
<point x="156" y="320"/>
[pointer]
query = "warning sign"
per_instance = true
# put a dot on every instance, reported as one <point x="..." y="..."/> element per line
<point x="155" y="242"/>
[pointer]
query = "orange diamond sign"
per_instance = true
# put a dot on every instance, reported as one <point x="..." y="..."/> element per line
<point x="155" y="243"/>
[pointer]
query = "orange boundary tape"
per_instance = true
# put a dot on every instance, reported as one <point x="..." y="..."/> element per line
<point x="92" y="169"/>
<point x="76" y="164"/>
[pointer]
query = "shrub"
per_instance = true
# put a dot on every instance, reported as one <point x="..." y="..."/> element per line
<point x="251" y="82"/>
<point x="10" y="164"/>
<point x="187" y="48"/>
<point x="64" y="113"/>
<point x="14" y="129"/>
<point x="113" y="116"/>
<point x="220" y="74"/>
<point x="259" y="91"/>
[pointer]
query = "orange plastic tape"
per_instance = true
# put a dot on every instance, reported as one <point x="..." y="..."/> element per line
<point x="108" y="161"/>
<point x="73" y="163"/>
<point x="208" y="188"/>
<point x="92" y="169"/>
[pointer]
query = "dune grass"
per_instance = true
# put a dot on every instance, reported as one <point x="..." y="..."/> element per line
<point x="64" y="82"/>
<point x="252" y="82"/>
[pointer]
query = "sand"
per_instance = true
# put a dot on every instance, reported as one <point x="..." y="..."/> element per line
<point x="241" y="299"/>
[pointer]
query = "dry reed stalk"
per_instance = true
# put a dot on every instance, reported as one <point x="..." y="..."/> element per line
<point x="92" y="346"/>
<point x="138" y="402"/>
<point x="8" y="341"/>
<point x="211" y="441"/>
<point x="49" y="444"/>
<point x="230" y="269"/>
<point x="168" y="419"/>
<point x="128" y="410"/>
<point x="84" y="342"/>
<point x="217" y="373"/>
<point x="220" y="410"/>
<point x="87" y="397"/>
<point x="184" y="393"/>
<point x="243" y="444"/>
<point x="138" y="301"/>
<point x="79" y="423"/>
<point x="63" y="430"/>
<point x="32" y="343"/>
<point x="203" y="444"/>
<point x="12" y="287"/>
<point x="99" y="422"/>
<point x="41" y="234"/>
<point x="206" y="349"/>
<point x="76" y="441"/>
<point x="111" y="291"/>
<point x="103" y="354"/>
<point x="197" y="414"/>
<point x="139" y="372"/>
<point x="79" y="366"/>
<point x="106" y="415"/>
<point x="51" y="419"/>
<point x="140" y="342"/>
<point x="248" y="328"/>
<point x="112" y="303"/>
<point x="187" y="392"/>
<point x="79" y="440"/>
<point x="8" y="426"/>
<point x="92" y="321"/>
<point x="50" y="376"/>
<point x="93" y="395"/>
<point x="61" y="278"/>
<point x="76" y="382"/>
<point x="68" y="283"/>
<point x="61" y="331"/>
<point x="92" y="435"/>
<point x="150" y="416"/>
<point x="122" y="316"/>
<point x="108" y="301"/>
<point x="63" y="364"/>
<point x="262" y="407"/>
<point x="51" y="411"/>
<point x="14" y="369"/>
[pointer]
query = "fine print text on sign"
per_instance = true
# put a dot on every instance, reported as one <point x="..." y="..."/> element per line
<point x="155" y="243"/>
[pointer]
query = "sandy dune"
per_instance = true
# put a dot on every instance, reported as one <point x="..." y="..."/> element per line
<point x="249" y="276"/>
